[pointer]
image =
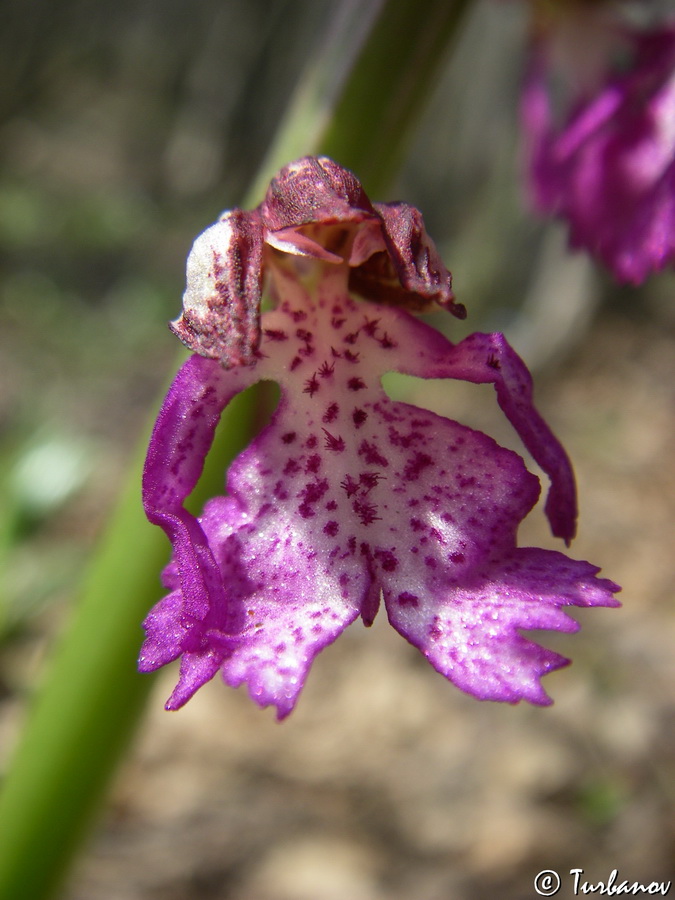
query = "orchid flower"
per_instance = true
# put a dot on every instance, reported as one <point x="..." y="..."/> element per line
<point x="608" y="166"/>
<point x="347" y="497"/>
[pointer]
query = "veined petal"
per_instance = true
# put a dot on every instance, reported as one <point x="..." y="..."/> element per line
<point x="314" y="190"/>
<point x="221" y="304"/>
<point x="415" y="258"/>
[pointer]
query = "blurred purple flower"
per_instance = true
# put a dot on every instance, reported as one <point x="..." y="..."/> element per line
<point x="608" y="166"/>
<point x="346" y="494"/>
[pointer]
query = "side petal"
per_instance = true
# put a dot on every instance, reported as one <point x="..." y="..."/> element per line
<point x="469" y="631"/>
<point x="221" y="304"/>
<point x="180" y="441"/>
<point x="489" y="359"/>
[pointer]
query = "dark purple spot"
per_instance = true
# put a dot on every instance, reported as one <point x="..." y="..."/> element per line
<point x="430" y="562"/>
<point x="403" y="440"/>
<point x="369" y="480"/>
<point x="336" y="444"/>
<point x="304" y="335"/>
<point x="279" y="491"/>
<point x="335" y="353"/>
<point x="352" y="357"/>
<point x="367" y="512"/>
<point x="387" y="559"/>
<point x="289" y="437"/>
<point x="331" y="413"/>
<point x="313" y="464"/>
<point x="349" y="485"/>
<point x="326" y="369"/>
<point x="370" y="326"/>
<point x="298" y="315"/>
<point x="457" y="557"/>
<point x="295" y="362"/>
<point x="384" y="409"/>
<point x="416" y="525"/>
<point x="331" y="505"/>
<point x="416" y="465"/>
<point x="351" y="338"/>
<point x="311" y="442"/>
<point x="435" y="533"/>
<point x="331" y="528"/>
<point x="311" y="386"/>
<point x="356" y="384"/>
<point x="359" y="416"/>
<point x="386" y="342"/>
<point x="351" y="543"/>
<point x="493" y="362"/>
<point x="434" y="629"/>
<point x="312" y="492"/>
<point x="372" y="455"/>
<point x="405" y="598"/>
<point x="275" y="334"/>
<point x="291" y="467"/>
<point x="337" y="323"/>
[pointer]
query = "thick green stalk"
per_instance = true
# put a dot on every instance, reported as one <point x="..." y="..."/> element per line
<point x="384" y="58"/>
<point x="91" y="701"/>
<point x="388" y="88"/>
<point x="358" y="99"/>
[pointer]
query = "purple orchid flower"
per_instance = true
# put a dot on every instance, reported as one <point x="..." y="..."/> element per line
<point x="347" y="495"/>
<point x="609" y="168"/>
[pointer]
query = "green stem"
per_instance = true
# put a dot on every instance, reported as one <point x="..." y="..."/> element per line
<point x="364" y="89"/>
<point x="358" y="99"/>
<point x="88" y="708"/>
<point x="388" y="87"/>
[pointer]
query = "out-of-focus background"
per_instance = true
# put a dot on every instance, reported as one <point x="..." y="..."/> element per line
<point x="124" y="130"/>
